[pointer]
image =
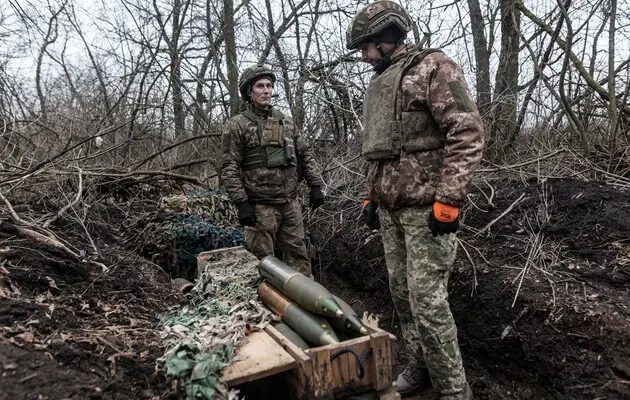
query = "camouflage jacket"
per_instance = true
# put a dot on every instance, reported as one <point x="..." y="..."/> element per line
<point x="262" y="185"/>
<point x="438" y="174"/>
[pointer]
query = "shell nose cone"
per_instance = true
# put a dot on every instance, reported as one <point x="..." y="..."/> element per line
<point x="327" y="338"/>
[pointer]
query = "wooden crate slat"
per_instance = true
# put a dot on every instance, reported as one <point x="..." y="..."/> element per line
<point x="382" y="378"/>
<point x="264" y="358"/>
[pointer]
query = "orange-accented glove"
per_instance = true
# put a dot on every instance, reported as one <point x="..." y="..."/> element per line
<point x="369" y="214"/>
<point x="443" y="219"/>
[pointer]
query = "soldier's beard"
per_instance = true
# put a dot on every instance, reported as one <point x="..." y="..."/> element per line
<point x="385" y="61"/>
<point x="382" y="65"/>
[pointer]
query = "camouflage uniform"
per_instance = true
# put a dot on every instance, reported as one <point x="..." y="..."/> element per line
<point x="418" y="266"/>
<point x="272" y="191"/>
<point x="433" y="95"/>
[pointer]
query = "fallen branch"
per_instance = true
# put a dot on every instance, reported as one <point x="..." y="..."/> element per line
<point x="522" y="164"/>
<point x="14" y="215"/>
<point x="68" y="206"/>
<point x="472" y="262"/>
<point x="49" y="241"/>
<point x="508" y="328"/>
<point x="510" y="208"/>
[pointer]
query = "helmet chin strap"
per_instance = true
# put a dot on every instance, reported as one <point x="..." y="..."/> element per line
<point x="386" y="58"/>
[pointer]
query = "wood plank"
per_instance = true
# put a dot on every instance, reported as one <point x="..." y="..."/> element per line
<point x="264" y="358"/>
<point x="343" y="369"/>
<point x="286" y="344"/>
<point x="337" y="376"/>
<point x="219" y="254"/>
<point x="322" y="371"/>
<point x="301" y="383"/>
<point x="382" y="355"/>
<point x="346" y="373"/>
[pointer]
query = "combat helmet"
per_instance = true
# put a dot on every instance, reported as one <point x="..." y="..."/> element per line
<point x="375" y="18"/>
<point x="250" y="75"/>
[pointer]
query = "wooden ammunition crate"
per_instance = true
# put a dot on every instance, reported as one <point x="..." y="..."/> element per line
<point x="317" y="373"/>
<point x="312" y="374"/>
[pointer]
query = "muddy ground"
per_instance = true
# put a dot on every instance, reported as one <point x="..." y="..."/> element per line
<point x="70" y="330"/>
<point x="568" y="320"/>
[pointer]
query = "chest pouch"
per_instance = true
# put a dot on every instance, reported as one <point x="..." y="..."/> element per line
<point x="273" y="143"/>
<point x="272" y="133"/>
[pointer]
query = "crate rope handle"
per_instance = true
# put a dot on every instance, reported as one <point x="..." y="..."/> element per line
<point x="360" y="359"/>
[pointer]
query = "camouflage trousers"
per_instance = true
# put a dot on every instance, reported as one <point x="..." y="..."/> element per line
<point x="281" y="224"/>
<point x="418" y="266"/>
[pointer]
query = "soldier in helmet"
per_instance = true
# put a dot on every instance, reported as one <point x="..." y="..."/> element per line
<point x="422" y="139"/>
<point x="260" y="150"/>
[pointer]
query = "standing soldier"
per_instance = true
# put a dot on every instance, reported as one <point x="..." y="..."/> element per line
<point x="261" y="149"/>
<point x="422" y="139"/>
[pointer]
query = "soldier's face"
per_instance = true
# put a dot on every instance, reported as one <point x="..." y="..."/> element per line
<point x="371" y="55"/>
<point x="261" y="92"/>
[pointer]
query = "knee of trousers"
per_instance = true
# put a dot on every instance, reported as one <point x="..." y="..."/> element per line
<point x="258" y="243"/>
<point x="437" y="339"/>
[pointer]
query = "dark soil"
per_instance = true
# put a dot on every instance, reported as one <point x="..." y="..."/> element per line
<point x="77" y="332"/>
<point x="570" y="323"/>
<point x="74" y="331"/>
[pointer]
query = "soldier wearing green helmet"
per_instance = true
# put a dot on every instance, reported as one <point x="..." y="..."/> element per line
<point x="260" y="150"/>
<point x="422" y="140"/>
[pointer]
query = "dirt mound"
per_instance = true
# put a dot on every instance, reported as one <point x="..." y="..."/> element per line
<point x="68" y="329"/>
<point x="543" y="312"/>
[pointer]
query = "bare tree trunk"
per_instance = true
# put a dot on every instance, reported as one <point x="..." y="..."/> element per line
<point x="538" y="71"/>
<point x="200" y="120"/>
<point x="612" y="106"/>
<point x="298" y="107"/>
<point x="574" y="121"/>
<point x="284" y="68"/>
<point x="230" y="56"/>
<point x="503" y="125"/>
<point x="482" y="57"/>
<point x="178" y="16"/>
<point x="176" y="71"/>
<point x="50" y="38"/>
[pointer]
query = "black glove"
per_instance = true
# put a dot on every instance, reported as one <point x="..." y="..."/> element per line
<point x="316" y="197"/>
<point x="449" y="216"/>
<point x="246" y="215"/>
<point x="370" y="214"/>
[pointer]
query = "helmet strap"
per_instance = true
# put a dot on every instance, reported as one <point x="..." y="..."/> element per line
<point x="386" y="58"/>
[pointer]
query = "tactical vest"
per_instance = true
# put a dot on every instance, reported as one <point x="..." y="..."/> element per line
<point x="387" y="130"/>
<point x="276" y="148"/>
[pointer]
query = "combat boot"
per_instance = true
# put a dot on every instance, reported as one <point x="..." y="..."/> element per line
<point x="465" y="394"/>
<point x="413" y="380"/>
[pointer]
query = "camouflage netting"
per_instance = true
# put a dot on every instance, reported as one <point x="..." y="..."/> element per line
<point x="201" y="337"/>
<point x="184" y="226"/>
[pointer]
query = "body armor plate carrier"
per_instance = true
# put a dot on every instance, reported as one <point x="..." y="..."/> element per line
<point x="387" y="130"/>
<point x="276" y="147"/>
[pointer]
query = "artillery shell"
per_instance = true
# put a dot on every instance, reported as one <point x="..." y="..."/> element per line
<point x="311" y="327"/>
<point x="303" y="290"/>
<point x="183" y="286"/>
<point x="350" y="322"/>
<point x="291" y="335"/>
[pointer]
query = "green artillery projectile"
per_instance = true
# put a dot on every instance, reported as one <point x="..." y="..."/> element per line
<point x="291" y="335"/>
<point x="299" y="288"/>
<point x="311" y="327"/>
<point x="350" y="322"/>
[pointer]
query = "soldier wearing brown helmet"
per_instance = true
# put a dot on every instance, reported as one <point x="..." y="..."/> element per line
<point x="260" y="151"/>
<point x="422" y="139"/>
